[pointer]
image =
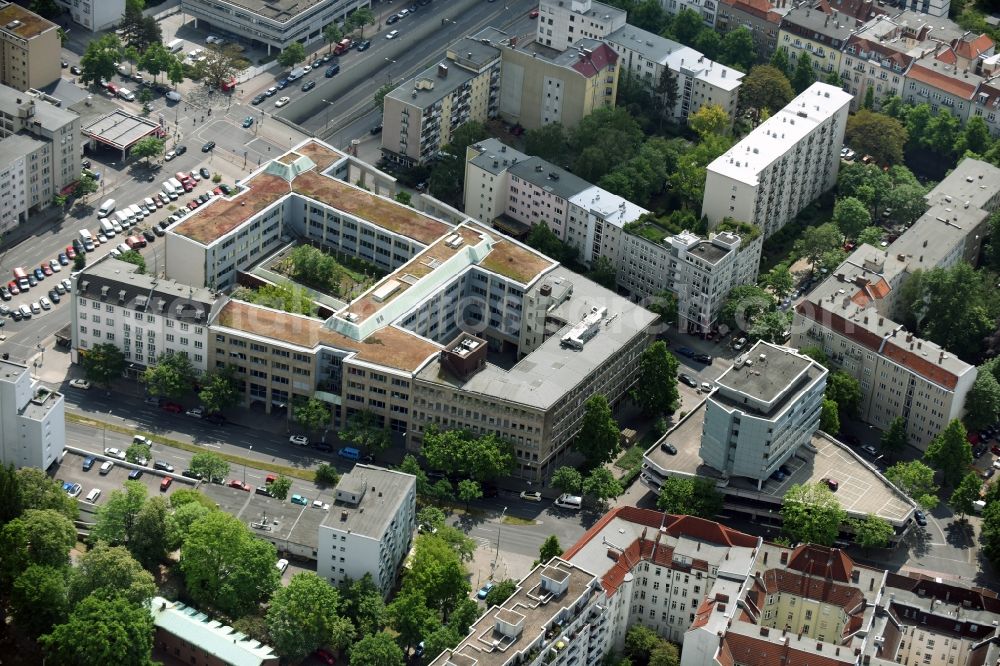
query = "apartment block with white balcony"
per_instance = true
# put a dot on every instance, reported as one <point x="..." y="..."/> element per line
<point x="143" y="315"/>
<point x="369" y="528"/>
<point x="563" y="22"/>
<point x="782" y="166"/>
<point x="32" y="419"/>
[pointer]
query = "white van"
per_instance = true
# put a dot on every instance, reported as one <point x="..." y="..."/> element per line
<point x="567" y="501"/>
<point x="25" y="311"/>
<point x="296" y="73"/>
<point x="173" y="96"/>
<point x="107" y="228"/>
<point x="122" y="218"/>
<point x="106" y="208"/>
<point x="126" y="94"/>
<point x="175" y="46"/>
<point x="176" y="184"/>
<point x="86" y="238"/>
<point x="137" y="213"/>
<point x="93" y="495"/>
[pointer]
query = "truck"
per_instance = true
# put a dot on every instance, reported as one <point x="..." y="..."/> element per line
<point x="87" y="239"/>
<point x="21" y="276"/>
<point x="343" y="46"/>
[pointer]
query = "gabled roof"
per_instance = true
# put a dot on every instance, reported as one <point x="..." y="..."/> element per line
<point x="762" y="9"/>
<point x="599" y="58"/>
<point x="942" y="81"/>
<point x="880" y="51"/>
<point x="971" y="47"/>
<point x="815" y="560"/>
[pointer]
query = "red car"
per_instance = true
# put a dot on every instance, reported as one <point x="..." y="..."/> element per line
<point x="171" y="407"/>
<point x="165" y="484"/>
<point x="46" y="268"/>
<point x="70" y="252"/>
<point x="995" y="449"/>
<point x="324" y="655"/>
<point x="533" y="13"/>
<point x="188" y="186"/>
<point x="218" y="191"/>
<point x="13" y="288"/>
<point x="241" y="485"/>
<point x="192" y="204"/>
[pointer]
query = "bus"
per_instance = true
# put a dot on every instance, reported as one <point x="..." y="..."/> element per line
<point x="22" y="278"/>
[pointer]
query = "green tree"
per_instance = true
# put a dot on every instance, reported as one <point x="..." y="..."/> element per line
<point x="603" y="272"/>
<point x="411" y="466"/>
<point x="116" y="517"/>
<point x="500" y="592"/>
<point x="84" y="187"/>
<point x="292" y="55"/>
<point x="436" y="573"/>
<point x="709" y="119"/>
<point x="367" y="430"/>
<point x="331" y="35"/>
<point x="211" y="466"/>
<point x="359" y="18"/>
<point x="102" y="363"/>
<point x="851" y="216"/>
<point x="692" y="496"/>
<point x="664" y="97"/>
<point x="745" y="303"/>
<point x="547" y="142"/>
<point x="709" y="43"/>
<point x="965" y="493"/>
<point x="869" y="102"/>
<point x="134" y="257"/>
<point x="184" y="516"/>
<point x="738" y="49"/>
<point x="894" y="439"/>
<point x="37" y="536"/>
<point x="779" y="280"/>
<point x="550" y="548"/>
<point x="102" y="631"/>
<point x="380" y="96"/>
<point x="872" y="532"/>
<point x="152" y="533"/>
<point x="943" y="132"/>
<point x="411" y="617"/>
<point x="906" y="202"/>
<point x="80" y="262"/>
<point x="361" y="601"/>
<point x="11" y="498"/>
<point x="770" y="326"/>
<point x="656" y="388"/>
<point x="989" y="535"/>
<point x="567" y="480"/>
<point x="865" y="182"/>
<point x="404" y="198"/>
<point x="916" y="480"/>
<point x="975" y="137"/>
<point x="107" y="572"/>
<point x="665" y="654"/>
<point x="779" y="60"/>
<point x="303" y="616"/>
<point x="312" y="414"/>
<point x="176" y="72"/>
<point x="172" y="376"/>
<point x="469" y="491"/>
<point x="602" y="485"/>
<point x="326" y="474"/>
<point x="377" y="650"/>
<point x="814" y="241"/>
<point x="38" y="490"/>
<point x="844" y="390"/>
<point x="982" y="404"/>
<point x="950" y="453"/>
<point x="219" y="390"/>
<point x="136" y="452"/>
<point x="804" y="74"/>
<point x="878" y="135"/>
<point x="870" y="236"/>
<point x="811" y="514"/>
<point x="98" y="61"/>
<point x="949" y="306"/>
<point x="599" y="434"/>
<point x="226" y="566"/>
<point x="829" y="417"/>
<point x="459" y="452"/>
<point x="640" y="642"/>
<point x="687" y="25"/>
<point x="39" y="599"/>
<point x="279" y="487"/>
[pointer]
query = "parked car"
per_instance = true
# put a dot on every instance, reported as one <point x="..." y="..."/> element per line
<point x="258" y="99"/>
<point x="191" y="474"/>
<point x="88" y="463"/>
<point x="165" y="483"/>
<point x="196" y="412"/>
<point x="282" y="101"/>
<point x="869" y="449"/>
<point x="702" y="358"/>
<point x="485" y="590"/>
<point x="920" y="518"/>
<point x="80" y="384"/>
<point x="171" y="407"/>
<point x="687" y="379"/>
<point x="669" y="448"/>
<point x="134" y="474"/>
<point x="832" y="484"/>
<point x="112" y="452"/>
<point x="531" y="496"/>
<point x="180" y="150"/>
<point x="308" y="85"/>
<point x="684" y="351"/>
<point x="239" y="485"/>
<point x="392" y="34"/>
<point x="169" y="155"/>
<point x="299" y="440"/>
<point x="299" y="499"/>
<point x="163" y="465"/>
<point x="363" y="45"/>
<point x="208" y="146"/>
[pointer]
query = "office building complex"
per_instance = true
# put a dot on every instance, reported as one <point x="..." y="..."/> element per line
<point x="467" y="329"/>
<point x="562" y="22"/>
<point x="761" y="411"/>
<point x="369" y="528"/>
<point x="420" y="115"/>
<point x="537" y="89"/>
<point x="32" y="419"/>
<point x="783" y="165"/>
<point x="27" y="45"/>
<point x="700" y="81"/>
<point x="94" y="15"/>
<point x="272" y="24"/>
<point x="39" y="155"/>
<point x="514" y="192"/>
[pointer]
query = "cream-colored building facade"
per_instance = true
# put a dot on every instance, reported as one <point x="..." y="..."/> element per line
<point x="29" y="48"/>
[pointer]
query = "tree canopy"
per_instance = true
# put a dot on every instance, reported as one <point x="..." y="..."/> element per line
<point x="102" y="363"/>
<point x="692" y="496"/>
<point x="110" y="572"/>
<point x="303" y="616"/>
<point x="599" y="434"/>
<point x="950" y="453"/>
<point x="811" y="514"/>
<point x="872" y="532"/>
<point x="916" y="480"/>
<point x="656" y="387"/>
<point x="459" y="452"/>
<point x="172" y="377"/>
<point x="102" y="631"/>
<point x="876" y="134"/>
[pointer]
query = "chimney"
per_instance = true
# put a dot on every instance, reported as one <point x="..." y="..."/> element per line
<point x="442" y="70"/>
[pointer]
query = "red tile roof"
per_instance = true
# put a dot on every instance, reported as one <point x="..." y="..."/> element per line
<point x="942" y="81"/>
<point x="814" y="560"/>
<point x="762" y="9"/>
<point x="593" y="64"/>
<point x="756" y="651"/>
<point x="819" y="589"/>
<point x="970" y="48"/>
<point x="866" y="46"/>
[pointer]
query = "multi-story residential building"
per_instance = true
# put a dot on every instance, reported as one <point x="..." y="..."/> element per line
<point x="32" y="419"/>
<point x="561" y="23"/>
<point x="94" y="15"/>
<point x="394" y="350"/>
<point x="271" y="24"/>
<point x="369" y="528"/>
<point x="189" y="636"/>
<point x="875" y="58"/>
<point x="986" y="105"/>
<point x="420" y="114"/>
<point x="760" y="17"/>
<point x="39" y="150"/>
<point x="707" y="9"/>
<point x="27" y="45"/>
<point x="761" y="412"/>
<point x="818" y="33"/>
<point x="143" y="315"/>
<point x="507" y="188"/>
<point x="783" y="165"/>
<point x="537" y="89"/>
<point x="700" y="81"/>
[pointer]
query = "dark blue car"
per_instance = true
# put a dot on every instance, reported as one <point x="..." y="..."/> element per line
<point x="332" y="70"/>
<point x="39" y="274"/>
<point x="684" y="351"/>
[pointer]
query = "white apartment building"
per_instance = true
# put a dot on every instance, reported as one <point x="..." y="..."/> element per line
<point x="700" y="81"/>
<point x="32" y="419"/>
<point x="94" y="15"/>
<point x="142" y="315"/>
<point x="707" y="9"/>
<point x="486" y="165"/>
<point x="273" y="24"/>
<point x="370" y="526"/>
<point x="761" y="411"/>
<point x="39" y="149"/>
<point x="563" y="22"/>
<point x="783" y="165"/>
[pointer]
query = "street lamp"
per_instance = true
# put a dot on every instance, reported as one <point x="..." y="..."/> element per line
<point x="388" y="74"/>
<point x="245" y="466"/>
<point x="499" y="527"/>
<point x="326" y="114"/>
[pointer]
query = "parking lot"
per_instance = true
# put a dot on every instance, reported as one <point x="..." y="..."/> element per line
<point x="71" y="470"/>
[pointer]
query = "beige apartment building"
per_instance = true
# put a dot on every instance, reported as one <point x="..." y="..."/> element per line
<point x="562" y="22"/>
<point x="537" y="89"/>
<point x="420" y="115"/>
<point x="29" y="48"/>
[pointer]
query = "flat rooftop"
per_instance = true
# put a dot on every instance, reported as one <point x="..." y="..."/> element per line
<point x="530" y="607"/>
<point x="768" y="377"/>
<point x="676" y="56"/>
<point x="547" y="176"/>
<point x="609" y="207"/>
<point x="272" y="519"/>
<point x="772" y="138"/>
<point x="495" y="156"/>
<point x="23" y="23"/>
<point x="119" y="129"/>
<point x="280" y="11"/>
<point x="709" y="251"/>
<point x="384" y="492"/>
<point x="551" y="370"/>
<point x="862" y="490"/>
